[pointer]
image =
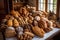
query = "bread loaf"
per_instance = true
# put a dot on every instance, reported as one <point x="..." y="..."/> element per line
<point x="38" y="31"/>
<point x="58" y="24"/>
<point x="30" y="34"/>
<point x="24" y="11"/>
<point x="7" y="16"/>
<point x="19" y="29"/>
<point x="16" y="23"/>
<point x="37" y="18"/>
<point x="15" y="13"/>
<point x="42" y="24"/>
<point x="30" y="21"/>
<point x="47" y="29"/>
<point x="9" y="23"/>
<point x="10" y="32"/>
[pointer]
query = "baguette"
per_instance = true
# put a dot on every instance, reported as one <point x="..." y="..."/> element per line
<point x="30" y="34"/>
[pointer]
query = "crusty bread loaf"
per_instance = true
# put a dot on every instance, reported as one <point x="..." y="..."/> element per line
<point x="10" y="23"/>
<point x="39" y="32"/>
<point x="30" y="34"/>
<point x="10" y="32"/>
<point x="15" y="23"/>
<point x="37" y="18"/>
<point x="42" y="24"/>
<point x="15" y="13"/>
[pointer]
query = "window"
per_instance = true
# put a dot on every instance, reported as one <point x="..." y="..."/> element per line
<point x="41" y="5"/>
<point x="51" y="5"/>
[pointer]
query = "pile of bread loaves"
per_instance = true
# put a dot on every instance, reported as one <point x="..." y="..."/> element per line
<point x="26" y="24"/>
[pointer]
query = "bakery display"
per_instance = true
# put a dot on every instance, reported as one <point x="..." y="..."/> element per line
<point x="26" y="24"/>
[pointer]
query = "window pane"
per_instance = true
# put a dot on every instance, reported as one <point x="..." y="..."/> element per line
<point x="50" y="1"/>
<point x="40" y="0"/>
<point x="41" y="5"/>
<point x="55" y="1"/>
<point x="50" y="5"/>
<point x="48" y="8"/>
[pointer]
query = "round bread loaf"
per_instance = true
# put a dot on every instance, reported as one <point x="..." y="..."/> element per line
<point x="10" y="32"/>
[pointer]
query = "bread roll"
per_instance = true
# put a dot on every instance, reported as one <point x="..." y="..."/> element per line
<point x="18" y="29"/>
<point x="30" y="17"/>
<point x="30" y="21"/>
<point x="58" y="24"/>
<point x="24" y="11"/>
<point x="7" y="16"/>
<point x="37" y="18"/>
<point x="50" y="24"/>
